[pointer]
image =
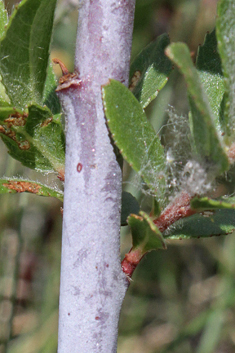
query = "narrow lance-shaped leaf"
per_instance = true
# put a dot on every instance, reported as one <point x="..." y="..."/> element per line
<point x="145" y="235"/>
<point x="211" y="76"/>
<point x="24" y="51"/>
<point x="134" y="135"/>
<point x="225" y="31"/>
<point x="13" y="186"/>
<point x="221" y="222"/>
<point x="150" y="70"/>
<point x="205" y="203"/>
<point x="206" y="140"/>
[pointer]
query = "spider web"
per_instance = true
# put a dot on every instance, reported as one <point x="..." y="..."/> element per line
<point x="183" y="169"/>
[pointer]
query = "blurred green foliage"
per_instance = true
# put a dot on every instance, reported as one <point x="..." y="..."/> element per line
<point x="180" y="300"/>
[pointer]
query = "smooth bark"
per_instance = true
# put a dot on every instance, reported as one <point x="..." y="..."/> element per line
<point x="93" y="284"/>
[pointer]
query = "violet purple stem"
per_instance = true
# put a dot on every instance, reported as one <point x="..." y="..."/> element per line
<point x="93" y="284"/>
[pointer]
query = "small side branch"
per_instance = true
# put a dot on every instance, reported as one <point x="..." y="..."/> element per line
<point x="179" y="208"/>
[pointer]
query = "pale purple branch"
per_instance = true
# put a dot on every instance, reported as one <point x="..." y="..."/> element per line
<point x="93" y="285"/>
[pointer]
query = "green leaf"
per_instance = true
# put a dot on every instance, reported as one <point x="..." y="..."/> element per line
<point x="205" y="203"/>
<point x="211" y="76"/>
<point x="129" y="205"/>
<point x="5" y="105"/>
<point x="4" y="99"/>
<point x="225" y="31"/>
<point x="13" y="186"/>
<point x="36" y="139"/>
<point x="207" y="142"/>
<point x="134" y="135"/>
<point x="50" y="98"/>
<point x="222" y="222"/>
<point x="24" y="51"/>
<point x="156" y="210"/>
<point x="6" y="112"/>
<point x="3" y="19"/>
<point x="151" y="69"/>
<point x="212" y="331"/>
<point x="146" y="236"/>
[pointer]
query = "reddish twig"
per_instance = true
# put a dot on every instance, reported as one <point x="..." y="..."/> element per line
<point x="130" y="262"/>
<point x="177" y="209"/>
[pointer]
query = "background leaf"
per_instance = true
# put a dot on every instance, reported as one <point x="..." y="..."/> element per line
<point x="222" y="222"/>
<point x="207" y="142"/>
<point x="50" y="98"/>
<point x="5" y="106"/>
<point x="129" y="205"/>
<point x="3" y="19"/>
<point x="4" y="100"/>
<point x="211" y="76"/>
<point x="134" y="135"/>
<point x="225" y="31"/>
<point x="205" y="203"/>
<point x="24" y="51"/>
<point x="36" y="140"/>
<point x="151" y="69"/>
